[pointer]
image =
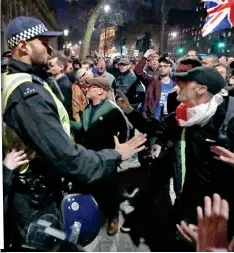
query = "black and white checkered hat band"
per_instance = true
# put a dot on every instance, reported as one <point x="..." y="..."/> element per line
<point x="26" y="35"/>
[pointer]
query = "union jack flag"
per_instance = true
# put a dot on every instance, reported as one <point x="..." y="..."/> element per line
<point x="220" y="15"/>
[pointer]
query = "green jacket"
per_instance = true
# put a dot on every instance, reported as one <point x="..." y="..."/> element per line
<point x="99" y="125"/>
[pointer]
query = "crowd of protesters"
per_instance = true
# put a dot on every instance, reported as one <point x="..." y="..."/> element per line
<point x="185" y="107"/>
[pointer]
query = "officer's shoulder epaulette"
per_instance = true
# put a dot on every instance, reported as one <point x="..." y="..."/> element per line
<point x="38" y="80"/>
<point x="28" y="90"/>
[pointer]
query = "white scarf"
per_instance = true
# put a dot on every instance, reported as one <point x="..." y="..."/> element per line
<point x="201" y="114"/>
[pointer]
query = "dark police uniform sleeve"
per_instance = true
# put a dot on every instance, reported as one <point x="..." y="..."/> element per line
<point x="35" y="118"/>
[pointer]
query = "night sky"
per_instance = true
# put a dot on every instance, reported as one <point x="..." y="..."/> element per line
<point x="68" y="16"/>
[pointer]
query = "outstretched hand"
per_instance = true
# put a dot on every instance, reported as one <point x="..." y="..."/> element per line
<point x="188" y="232"/>
<point x="223" y="154"/>
<point x="148" y="53"/>
<point x="212" y="225"/>
<point x="131" y="147"/>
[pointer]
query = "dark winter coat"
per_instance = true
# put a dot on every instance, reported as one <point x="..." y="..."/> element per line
<point x="99" y="125"/>
<point x="202" y="174"/>
<point x="66" y="88"/>
<point x="125" y="80"/>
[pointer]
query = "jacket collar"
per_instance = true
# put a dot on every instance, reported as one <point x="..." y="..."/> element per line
<point x="125" y="73"/>
<point x="15" y="66"/>
<point x="101" y="109"/>
<point x="62" y="77"/>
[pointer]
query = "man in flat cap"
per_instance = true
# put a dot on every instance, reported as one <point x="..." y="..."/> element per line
<point x="100" y="122"/>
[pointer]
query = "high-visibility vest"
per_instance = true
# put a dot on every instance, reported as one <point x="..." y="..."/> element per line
<point x="9" y="137"/>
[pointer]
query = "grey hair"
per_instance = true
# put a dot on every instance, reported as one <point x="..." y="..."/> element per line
<point x="79" y="73"/>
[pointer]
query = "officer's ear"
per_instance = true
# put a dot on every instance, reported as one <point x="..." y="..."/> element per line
<point x="23" y="46"/>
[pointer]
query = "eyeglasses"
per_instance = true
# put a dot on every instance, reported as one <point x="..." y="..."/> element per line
<point x="83" y="74"/>
<point x="164" y="66"/>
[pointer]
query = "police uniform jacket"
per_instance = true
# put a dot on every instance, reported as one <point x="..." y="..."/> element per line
<point x="32" y="113"/>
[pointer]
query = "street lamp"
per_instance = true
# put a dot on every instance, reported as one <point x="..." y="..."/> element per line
<point x="174" y="34"/>
<point x="106" y="9"/>
<point x="221" y="45"/>
<point x="80" y="42"/>
<point x="65" y="32"/>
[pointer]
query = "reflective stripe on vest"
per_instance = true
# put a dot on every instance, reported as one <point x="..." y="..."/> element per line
<point x="9" y="84"/>
<point x="183" y="157"/>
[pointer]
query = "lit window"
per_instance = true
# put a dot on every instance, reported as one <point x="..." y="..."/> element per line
<point x="201" y="19"/>
<point x="208" y="51"/>
<point x="229" y="34"/>
<point x="210" y="37"/>
<point x="224" y="34"/>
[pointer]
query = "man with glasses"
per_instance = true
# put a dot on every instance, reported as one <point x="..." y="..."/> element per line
<point x="165" y="68"/>
<point x="79" y="100"/>
<point x="158" y="87"/>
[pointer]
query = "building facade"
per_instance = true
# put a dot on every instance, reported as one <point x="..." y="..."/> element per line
<point x="138" y="37"/>
<point x="108" y="37"/>
<point x="182" y="38"/>
<point x="40" y="9"/>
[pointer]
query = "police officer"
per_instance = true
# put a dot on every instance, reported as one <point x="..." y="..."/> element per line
<point x="34" y="116"/>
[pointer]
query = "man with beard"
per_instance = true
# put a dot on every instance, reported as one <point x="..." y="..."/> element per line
<point x="35" y="117"/>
